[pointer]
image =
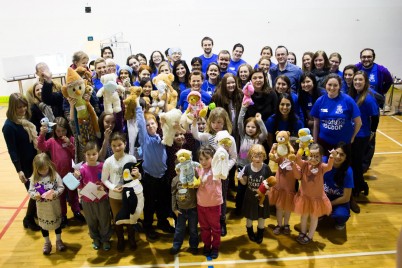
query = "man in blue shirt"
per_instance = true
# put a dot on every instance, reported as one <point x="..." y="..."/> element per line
<point x="207" y="44"/>
<point x="292" y="71"/>
<point x="223" y="63"/>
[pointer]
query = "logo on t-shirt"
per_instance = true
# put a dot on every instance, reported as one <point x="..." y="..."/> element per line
<point x="372" y="78"/>
<point x="324" y="110"/>
<point x="339" y="109"/>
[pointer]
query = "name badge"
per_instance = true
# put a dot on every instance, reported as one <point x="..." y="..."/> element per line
<point x="80" y="108"/>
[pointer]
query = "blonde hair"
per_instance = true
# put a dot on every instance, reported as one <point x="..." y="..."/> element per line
<point x="79" y="55"/>
<point x="256" y="149"/>
<point x="13" y="102"/>
<point x="41" y="161"/>
<point x="164" y="63"/>
<point x="216" y="113"/>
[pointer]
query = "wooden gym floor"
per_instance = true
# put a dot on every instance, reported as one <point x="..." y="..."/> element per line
<point x="369" y="239"/>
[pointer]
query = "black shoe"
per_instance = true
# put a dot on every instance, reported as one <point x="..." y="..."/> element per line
<point x="251" y="234"/>
<point x="193" y="250"/>
<point x="121" y="245"/>
<point x="31" y="224"/>
<point x="214" y="253"/>
<point x="206" y="251"/>
<point x="78" y="216"/>
<point x="354" y="206"/>
<point x="260" y="235"/>
<point x="166" y="228"/>
<point x="366" y="189"/>
<point x="64" y="222"/>
<point x="224" y="231"/>
<point x="151" y="234"/>
<point x="174" y="251"/>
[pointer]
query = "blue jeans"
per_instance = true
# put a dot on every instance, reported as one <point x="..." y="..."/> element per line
<point x="192" y="217"/>
<point x="341" y="213"/>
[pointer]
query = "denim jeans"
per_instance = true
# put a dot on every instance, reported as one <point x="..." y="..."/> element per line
<point x="192" y="217"/>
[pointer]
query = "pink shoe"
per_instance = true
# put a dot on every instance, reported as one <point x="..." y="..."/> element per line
<point x="47" y="248"/>
<point x="60" y="245"/>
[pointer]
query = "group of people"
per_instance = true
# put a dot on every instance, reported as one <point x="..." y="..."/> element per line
<point x="340" y="109"/>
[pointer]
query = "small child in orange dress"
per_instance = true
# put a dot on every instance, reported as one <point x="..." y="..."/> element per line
<point x="311" y="199"/>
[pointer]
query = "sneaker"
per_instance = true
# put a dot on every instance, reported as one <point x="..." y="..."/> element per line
<point x="96" y="244"/>
<point x="78" y="216"/>
<point x="214" y="253"/>
<point x="60" y="245"/>
<point x="47" y="248"/>
<point x="340" y="227"/>
<point x="206" y="251"/>
<point x="106" y="246"/>
<point x="174" y="251"/>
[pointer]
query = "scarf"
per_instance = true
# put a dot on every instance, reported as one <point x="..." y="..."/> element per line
<point x="47" y="111"/>
<point x="31" y="131"/>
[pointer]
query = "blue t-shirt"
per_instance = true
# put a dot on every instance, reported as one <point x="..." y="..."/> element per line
<point x="205" y="98"/>
<point x="282" y="125"/>
<point x="222" y="73"/>
<point x="208" y="87"/>
<point x="332" y="190"/>
<point x="207" y="61"/>
<point x="270" y="66"/>
<point x="336" y="117"/>
<point x="293" y="72"/>
<point x="234" y="65"/>
<point x="367" y="109"/>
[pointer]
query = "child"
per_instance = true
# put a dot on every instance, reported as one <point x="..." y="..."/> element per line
<point x="311" y="199"/>
<point x="112" y="173"/>
<point x="61" y="147"/>
<point x="209" y="201"/>
<point x="184" y="206"/>
<point x="46" y="186"/>
<point x="97" y="210"/>
<point x="253" y="174"/>
<point x="218" y="120"/>
<point x="282" y="194"/>
<point x="155" y="182"/>
<point x="252" y="131"/>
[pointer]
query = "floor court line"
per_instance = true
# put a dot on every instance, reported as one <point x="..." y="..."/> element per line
<point x="379" y="131"/>
<point x="381" y="153"/>
<point x="299" y="258"/>
<point x="396" y="118"/>
<point x="13" y="217"/>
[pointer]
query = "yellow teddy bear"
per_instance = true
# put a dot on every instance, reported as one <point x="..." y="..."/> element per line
<point x="304" y="140"/>
<point x="163" y="82"/>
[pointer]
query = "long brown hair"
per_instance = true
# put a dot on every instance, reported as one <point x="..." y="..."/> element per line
<point x="353" y="92"/>
<point x="13" y="102"/>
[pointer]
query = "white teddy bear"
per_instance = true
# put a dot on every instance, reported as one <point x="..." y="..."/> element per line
<point x="111" y="100"/>
<point x="170" y="125"/>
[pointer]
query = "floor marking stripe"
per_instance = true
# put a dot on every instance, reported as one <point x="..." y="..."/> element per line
<point x="389" y="137"/>
<point x="299" y="258"/>
<point x="13" y="217"/>
<point x="396" y="118"/>
<point x="379" y="153"/>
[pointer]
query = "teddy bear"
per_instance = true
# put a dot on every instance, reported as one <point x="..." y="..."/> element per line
<point x="45" y="122"/>
<point x="248" y="90"/>
<point x="185" y="169"/>
<point x="163" y="82"/>
<point x="111" y="100"/>
<point x="87" y="127"/>
<point x="283" y="148"/>
<point x="304" y="140"/>
<point x="87" y="76"/>
<point x="264" y="187"/>
<point x="196" y="108"/>
<point x="132" y="197"/>
<point x="154" y="108"/>
<point x="220" y="160"/>
<point x="170" y="123"/>
<point x="131" y="102"/>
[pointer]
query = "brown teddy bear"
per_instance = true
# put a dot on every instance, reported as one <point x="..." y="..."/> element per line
<point x="131" y="102"/>
<point x="283" y="147"/>
<point x="163" y="82"/>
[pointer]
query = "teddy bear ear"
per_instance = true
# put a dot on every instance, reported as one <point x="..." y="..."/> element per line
<point x="154" y="81"/>
<point x="288" y="133"/>
<point x="171" y="77"/>
<point x="276" y="133"/>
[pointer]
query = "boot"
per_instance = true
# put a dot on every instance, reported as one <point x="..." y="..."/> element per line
<point x="223" y="228"/>
<point x="260" y="235"/>
<point x="131" y="236"/>
<point x="120" y="237"/>
<point x="251" y="234"/>
<point x="354" y="206"/>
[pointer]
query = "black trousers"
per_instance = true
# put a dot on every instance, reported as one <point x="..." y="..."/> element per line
<point x="359" y="148"/>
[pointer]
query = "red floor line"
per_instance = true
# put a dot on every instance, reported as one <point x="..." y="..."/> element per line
<point x="10" y="207"/>
<point x="13" y="217"/>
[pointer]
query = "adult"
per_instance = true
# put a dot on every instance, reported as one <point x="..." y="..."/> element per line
<point x="100" y="69"/>
<point x="236" y="60"/>
<point x="320" y="67"/>
<point x="244" y="74"/>
<point x="154" y="61"/>
<point x="379" y="77"/>
<point x="196" y="64"/>
<point x="266" y="51"/>
<point x="181" y="74"/>
<point x="107" y="53"/>
<point x="195" y="79"/>
<point x="265" y="64"/>
<point x="223" y="63"/>
<point x="143" y="72"/>
<point x="292" y="58"/>
<point x="142" y="59"/>
<point x="369" y="113"/>
<point x="335" y="59"/>
<point x="338" y="185"/>
<point x="20" y="136"/>
<point x="264" y="98"/>
<point x="175" y="54"/>
<point x="336" y="116"/>
<point x="307" y="61"/>
<point x="134" y="63"/>
<point x="283" y="67"/>
<point x="38" y="109"/>
<point x="347" y="75"/>
<point x="207" y="44"/>
<point x="212" y="79"/>
<point x="164" y="68"/>
<point x="282" y="85"/>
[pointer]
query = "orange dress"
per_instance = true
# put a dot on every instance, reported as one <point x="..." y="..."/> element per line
<point x="283" y="192"/>
<point x="311" y="198"/>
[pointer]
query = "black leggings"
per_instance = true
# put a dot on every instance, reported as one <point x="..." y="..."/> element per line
<point x="45" y="233"/>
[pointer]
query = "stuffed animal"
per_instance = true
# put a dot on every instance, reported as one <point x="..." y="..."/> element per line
<point x="264" y="187"/>
<point x="170" y="122"/>
<point x="220" y="160"/>
<point x="131" y="102"/>
<point x="283" y="148"/>
<point x="45" y="122"/>
<point x="154" y="108"/>
<point x="196" y="108"/>
<point x="163" y="83"/>
<point x="44" y="194"/>
<point x="185" y="169"/>
<point x="87" y="76"/>
<point x="248" y="90"/>
<point x="111" y="100"/>
<point x="304" y="140"/>
<point x="87" y="127"/>
<point x="132" y="197"/>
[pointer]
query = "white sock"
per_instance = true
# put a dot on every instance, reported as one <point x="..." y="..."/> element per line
<point x="47" y="240"/>
<point x="58" y="237"/>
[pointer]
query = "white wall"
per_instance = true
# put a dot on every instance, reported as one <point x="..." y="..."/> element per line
<point x="345" y="26"/>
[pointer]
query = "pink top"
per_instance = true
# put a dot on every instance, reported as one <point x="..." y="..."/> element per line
<point x="209" y="193"/>
<point x="61" y="153"/>
<point x="91" y="174"/>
